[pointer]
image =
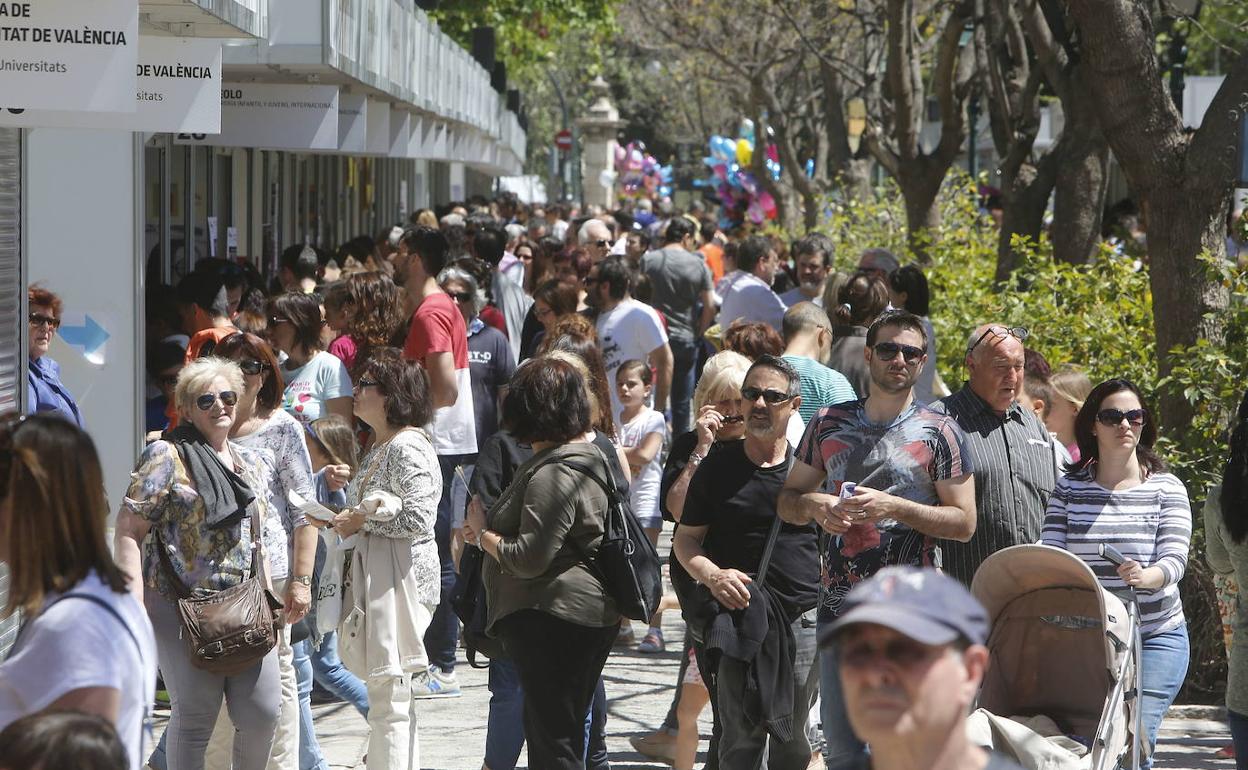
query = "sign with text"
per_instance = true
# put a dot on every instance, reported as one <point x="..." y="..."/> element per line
<point x="352" y="123"/>
<point x="179" y="89"/>
<point x="278" y="117"/>
<point x="69" y="54"/>
<point x="378" y="127"/>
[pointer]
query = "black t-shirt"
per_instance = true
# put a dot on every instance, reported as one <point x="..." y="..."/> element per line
<point x="736" y="499"/>
<point x="677" y="458"/>
<point x="490" y="367"/>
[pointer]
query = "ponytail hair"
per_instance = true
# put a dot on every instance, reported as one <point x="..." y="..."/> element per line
<point x="1234" y="497"/>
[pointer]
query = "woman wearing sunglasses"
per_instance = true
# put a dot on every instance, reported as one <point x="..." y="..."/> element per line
<point x="260" y="423"/>
<point x="1120" y="494"/>
<point x="44" y="390"/>
<point x="195" y="492"/>
<point x="317" y="382"/>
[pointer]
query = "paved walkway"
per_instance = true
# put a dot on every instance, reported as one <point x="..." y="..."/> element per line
<point x="452" y="730"/>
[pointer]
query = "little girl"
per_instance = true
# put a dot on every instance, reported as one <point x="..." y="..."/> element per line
<point x="642" y="434"/>
<point x="334" y="450"/>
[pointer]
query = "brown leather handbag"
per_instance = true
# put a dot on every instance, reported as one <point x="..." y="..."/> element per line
<point x="229" y="631"/>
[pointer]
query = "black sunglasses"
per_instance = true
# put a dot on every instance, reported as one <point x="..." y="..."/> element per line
<point x="602" y="244"/>
<point x="39" y="319"/>
<point x="770" y="395"/>
<point x="1018" y="332"/>
<point x="1112" y="418"/>
<point x="206" y="401"/>
<point x="887" y="351"/>
<point x="363" y="383"/>
<point x="252" y="366"/>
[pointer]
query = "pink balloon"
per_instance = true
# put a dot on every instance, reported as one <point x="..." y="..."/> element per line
<point x="755" y="213"/>
<point x="772" y="153"/>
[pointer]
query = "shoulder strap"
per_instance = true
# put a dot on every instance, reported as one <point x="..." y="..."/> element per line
<point x="145" y="724"/>
<point x="774" y="532"/>
<point x="505" y="498"/>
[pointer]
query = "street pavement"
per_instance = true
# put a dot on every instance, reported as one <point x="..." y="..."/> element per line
<point x="452" y="730"/>
<point x="639" y="690"/>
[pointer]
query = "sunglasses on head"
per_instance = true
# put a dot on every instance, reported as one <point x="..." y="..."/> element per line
<point x="887" y="351"/>
<point x="39" y="319"/>
<point x="252" y="366"/>
<point x="1112" y="418"/>
<point x="206" y="401"/>
<point x="770" y="395"/>
<point x="1018" y="332"/>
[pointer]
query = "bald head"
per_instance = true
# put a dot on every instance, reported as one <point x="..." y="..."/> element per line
<point x="994" y="362"/>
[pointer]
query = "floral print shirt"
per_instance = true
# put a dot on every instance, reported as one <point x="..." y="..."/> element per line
<point x="205" y="558"/>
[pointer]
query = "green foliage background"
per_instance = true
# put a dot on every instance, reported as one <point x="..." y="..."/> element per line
<point x="1098" y="316"/>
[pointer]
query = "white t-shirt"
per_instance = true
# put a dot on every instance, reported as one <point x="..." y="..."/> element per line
<point x="630" y="330"/>
<point x="322" y="378"/>
<point x="643" y="492"/>
<point x="745" y="296"/>
<point x="74" y="644"/>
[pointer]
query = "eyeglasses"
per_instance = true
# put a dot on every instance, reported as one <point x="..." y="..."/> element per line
<point x="362" y="384"/>
<point x="206" y="401"/>
<point x="540" y="313"/>
<point x="461" y="296"/>
<point x="902" y="653"/>
<point x="770" y="395"/>
<point x="1018" y="332"/>
<point x="252" y="366"/>
<point x="887" y="351"/>
<point x="276" y="319"/>
<point x="1112" y="418"/>
<point x="39" y="319"/>
<point x="602" y="243"/>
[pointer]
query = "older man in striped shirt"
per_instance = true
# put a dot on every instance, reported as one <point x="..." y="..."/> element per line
<point x="1009" y="448"/>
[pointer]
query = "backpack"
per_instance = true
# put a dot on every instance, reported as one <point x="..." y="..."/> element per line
<point x="627" y="563"/>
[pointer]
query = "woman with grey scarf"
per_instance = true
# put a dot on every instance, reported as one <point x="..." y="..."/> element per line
<point x="193" y="494"/>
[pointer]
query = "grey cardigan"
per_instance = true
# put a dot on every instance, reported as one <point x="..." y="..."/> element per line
<point x="551" y="522"/>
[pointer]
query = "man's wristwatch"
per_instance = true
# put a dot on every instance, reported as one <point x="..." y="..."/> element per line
<point x="305" y="579"/>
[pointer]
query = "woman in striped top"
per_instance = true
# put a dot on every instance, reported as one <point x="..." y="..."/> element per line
<point x="1120" y="494"/>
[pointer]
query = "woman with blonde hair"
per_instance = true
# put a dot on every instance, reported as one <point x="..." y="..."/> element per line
<point x="197" y="494"/>
<point x="718" y="422"/>
<point x="1070" y="386"/>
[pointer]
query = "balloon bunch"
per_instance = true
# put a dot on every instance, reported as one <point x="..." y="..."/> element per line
<point x="741" y="195"/>
<point x="639" y="174"/>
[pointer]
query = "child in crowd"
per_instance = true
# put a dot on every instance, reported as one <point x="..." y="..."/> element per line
<point x="334" y="450"/>
<point x="642" y="434"/>
<point x="52" y="740"/>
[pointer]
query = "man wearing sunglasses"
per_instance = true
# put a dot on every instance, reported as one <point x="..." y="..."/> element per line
<point x="886" y="479"/>
<point x="595" y="237"/>
<point x="724" y="528"/>
<point x="1007" y="445"/>
<point x="912" y="656"/>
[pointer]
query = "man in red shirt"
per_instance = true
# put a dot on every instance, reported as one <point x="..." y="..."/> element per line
<point x="438" y="338"/>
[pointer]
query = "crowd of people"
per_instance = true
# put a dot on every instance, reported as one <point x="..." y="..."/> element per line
<point x="497" y="376"/>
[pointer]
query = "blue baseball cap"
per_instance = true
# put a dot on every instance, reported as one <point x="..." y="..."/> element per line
<point x="922" y="604"/>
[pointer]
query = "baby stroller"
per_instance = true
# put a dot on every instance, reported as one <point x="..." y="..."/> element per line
<point x="1062" y="688"/>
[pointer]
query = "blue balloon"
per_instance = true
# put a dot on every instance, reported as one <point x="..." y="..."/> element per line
<point x="665" y="190"/>
<point x="810" y="167"/>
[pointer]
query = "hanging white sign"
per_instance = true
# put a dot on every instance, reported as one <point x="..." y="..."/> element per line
<point x="270" y="116"/>
<point x="352" y="123"/>
<point x="69" y="54"/>
<point x="179" y="90"/>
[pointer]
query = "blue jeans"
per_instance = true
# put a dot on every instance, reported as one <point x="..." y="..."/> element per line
<point x="442" y="635"/>
<point x="684" y="369"/>
<point x="329" y="673"/>
<point x="841" y="747"/>
<point x="504" y="732"/>
<point x="1163" y="667"/>
<point x="309" y="750"/>
<point x="1239" y="737"/>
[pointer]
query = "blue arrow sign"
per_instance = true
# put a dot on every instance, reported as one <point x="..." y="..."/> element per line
<point x="90" y="336"/>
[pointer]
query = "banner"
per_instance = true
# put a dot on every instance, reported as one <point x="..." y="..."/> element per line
<point x="179" y="90"/>
<point x="69" y="54"/>
<point x="278" y="117"/>
<point x="352" y="123"/>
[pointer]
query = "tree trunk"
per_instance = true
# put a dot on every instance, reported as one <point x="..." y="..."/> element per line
<point x="1023" y="199"/>
<point x="1184" y="178"/>
<point x="920" y="183"/>
<point x="1082" y="178"/>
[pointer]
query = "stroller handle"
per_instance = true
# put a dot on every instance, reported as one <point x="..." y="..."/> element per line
<point x="1112" y="554"/>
